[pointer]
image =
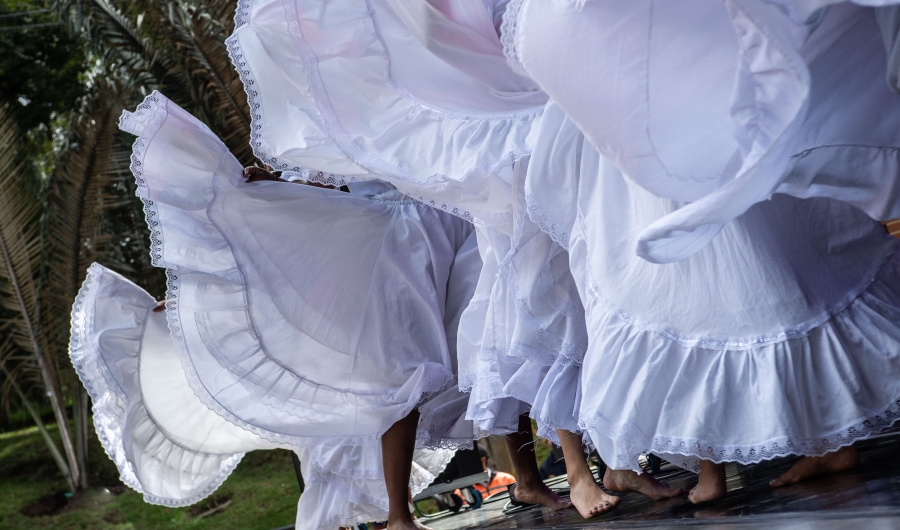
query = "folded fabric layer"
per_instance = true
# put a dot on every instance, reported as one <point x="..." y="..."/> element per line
<point x="524" y="332"/>
<point x="390" y="90"/>
<point x="166" y="443"/>
<point x="721" y="105"/>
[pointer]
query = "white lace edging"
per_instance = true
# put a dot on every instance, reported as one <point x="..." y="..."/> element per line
<point x="419" y="481"/>
<point x="547" y="223"/>
<point x="557" y="348"/>
<point x="236" y="54"/>
<point x="631" y="440"/>
<point x="746" y="343"/>
<point x="80" y="351"/>
<point x="369" y="160"/>
<point x="743" y="454"/>
<point x="509" y="36"/>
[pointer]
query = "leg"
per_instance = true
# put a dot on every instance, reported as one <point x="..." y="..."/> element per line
<point x="711" y="485"/>
<point x="622" y="480"/>
<point x="808" y="467"/>
<point x="397" y="446"/>
<point x="529" y="486"/>
<point x="587" y="496"/>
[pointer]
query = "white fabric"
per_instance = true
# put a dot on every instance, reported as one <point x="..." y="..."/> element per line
<point x="281" y="333"/>
<point x="720" y="104"/>
<point x="523" y="338"/>
<point x="344" y="484"/>
<point x="343" y="91"/>
<point x="779" y="337"/>
<point x="173" y="449"/>
<point x="166" y="443"/>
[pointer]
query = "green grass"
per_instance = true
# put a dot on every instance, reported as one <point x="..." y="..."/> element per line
<point x="263" y="492"/>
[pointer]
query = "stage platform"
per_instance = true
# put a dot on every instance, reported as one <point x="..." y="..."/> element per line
<point x="865" y="498"/>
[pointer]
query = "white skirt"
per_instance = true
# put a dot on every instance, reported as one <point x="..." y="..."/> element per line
<point x="522" y="339"/>
<point x="174" y="450"/>
<point x="300" y="313"/>
<point x="721" y="104"/>
<point x="344" y="91"/>
<point x="782" y="336"/>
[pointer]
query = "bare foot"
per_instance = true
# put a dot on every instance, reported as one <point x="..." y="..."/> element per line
<point x="813" y="466"/>
<point x="623" y="480"/>
<point x="542" y="495"/>
<point x="590" y="500"/>
<point x="419" y="525"/>
<point x="711" y="485"/>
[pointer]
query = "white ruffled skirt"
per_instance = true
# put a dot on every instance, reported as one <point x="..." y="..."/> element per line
<point x="523" y="336"/>
<point x="174" y="450"/>
<point x="782" y="336"/>
<point x="300" y="313"/>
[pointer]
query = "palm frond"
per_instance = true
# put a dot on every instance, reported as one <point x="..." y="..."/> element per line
<point x="20" y="253"/>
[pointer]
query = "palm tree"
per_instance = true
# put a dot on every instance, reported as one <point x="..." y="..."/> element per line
<point x="86" y="210"/>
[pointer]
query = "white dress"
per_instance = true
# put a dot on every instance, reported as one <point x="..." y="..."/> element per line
<point x="172" y="448"/>
<point x="781" y="336"/>
<point x="774" y="338"/>
<point x="722" y="104"/>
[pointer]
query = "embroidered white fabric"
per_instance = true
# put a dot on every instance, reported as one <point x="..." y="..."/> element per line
<point x="167" y="445"/>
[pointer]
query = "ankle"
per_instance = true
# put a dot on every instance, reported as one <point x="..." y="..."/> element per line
<point x="529" y="484"/>
<point x="399" y="516"/>
<point x="579" y="478"/>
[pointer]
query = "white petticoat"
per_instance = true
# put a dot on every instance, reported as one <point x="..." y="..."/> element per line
<point x="523" y="337"/>
<point x="300" y="313"/>
<point x="721" y="104"/>
<point x="782" y="336"/>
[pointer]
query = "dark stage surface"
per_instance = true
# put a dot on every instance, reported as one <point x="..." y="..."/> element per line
<point x="866" y="498"/>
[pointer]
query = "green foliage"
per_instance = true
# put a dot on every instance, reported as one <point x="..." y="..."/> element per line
<point x="263" y="492"/>
<point x="40" y="67"/>
<point x="63" y="86"/>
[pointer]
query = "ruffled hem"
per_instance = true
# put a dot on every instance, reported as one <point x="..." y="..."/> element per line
<point x="280" y="406"/>
<point x="119" y="413"/>
<point x="534" y="333"/>
<point x="767" y="401"/>
<point x="395" y="136"/>
<point x="348" y="489"/>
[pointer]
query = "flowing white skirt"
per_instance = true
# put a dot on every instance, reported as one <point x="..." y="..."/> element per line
<point x="300" y="313"/>
<point x="522" y="339"/>
<point x="782" y="336"/>
<point x="344" y="91"/>
<point x="174" y="450"/>
<point x="722" y="104"/>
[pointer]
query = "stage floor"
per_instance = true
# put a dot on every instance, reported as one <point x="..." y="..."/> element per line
<point x="865" y="498"/>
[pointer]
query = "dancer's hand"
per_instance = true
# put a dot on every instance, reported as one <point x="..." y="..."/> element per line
<point x="255" y="174"/>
